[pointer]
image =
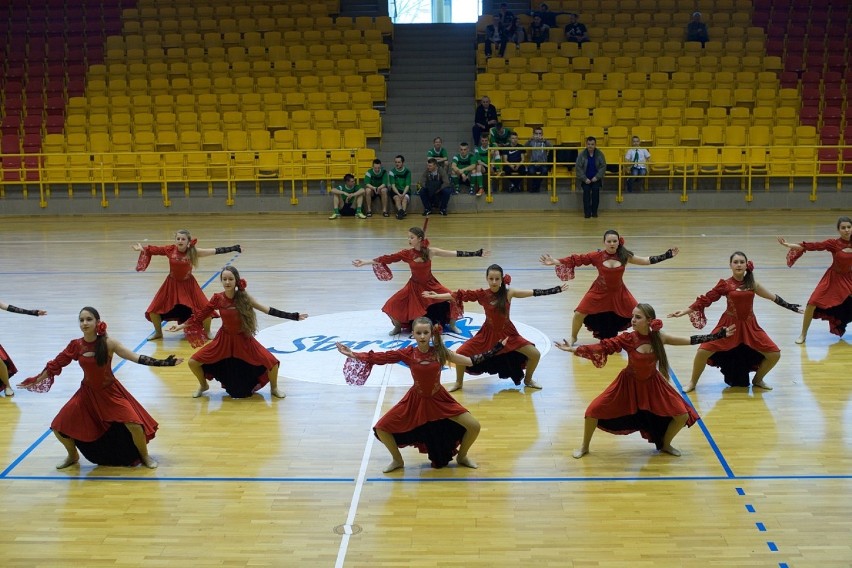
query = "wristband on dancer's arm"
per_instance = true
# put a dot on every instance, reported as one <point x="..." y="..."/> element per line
<point x="223" y="250"/>
<point x="480" y="358"/>
<point x="284" y="315"/>
<point x="697" y="339"/>
<point x="17" y="310"/>
<point x="469" y="252"/>
<point x="784" y="304"/>
<point x="169" y="361"/>
<point x="547" y="291"/>
<point x="661" y="257"/>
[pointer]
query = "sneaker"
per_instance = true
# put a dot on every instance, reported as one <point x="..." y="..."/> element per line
<point x="426" y="213"/>
<point x="444" y="212"/>
<point x="369" y="213"/>
<point x="455" y="191"/>
<point x="360" y="215"/>
<point x="335" y="216"/>
<point x="480" y="192"/>
<point x="400" y="214"/>
<point x="385" y="214"/>
<point x="471" y="191"/>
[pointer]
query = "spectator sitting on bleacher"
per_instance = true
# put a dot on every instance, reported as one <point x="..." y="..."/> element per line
<point x="495" y="35"/>
<point x="376" y="184"/>
<point x="696" y="30"/>
<point x="516" y="32"/>
<point x="636" y="161"/>
<point x="485" y="118"/>
<point x="513" y="166"/>
<point x="540" y="158"/>
<point x="439" y="153"/>
<point x="548" y="18"/>
<point x="400" y="185"/>
<point x="347" y="195"/>
<point x="462" y="168"/>
<point x="506" y="16"/>
<point x="575" y="31"/>
<point x="539" y="31"/>
<point x="435" y="189"/>
<point x="499" y="136"/>
<point x="486" y="157"/>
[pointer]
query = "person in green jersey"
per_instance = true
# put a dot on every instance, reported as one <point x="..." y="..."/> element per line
<point x="376" y="184"/>
<point x="345" y="196"/>
<point x="485" y="157"/>
<point x="500" y="136"/>
<point x="439" y="153"/>
<point x="462" y="168"/>
<point x="399" y="179"/>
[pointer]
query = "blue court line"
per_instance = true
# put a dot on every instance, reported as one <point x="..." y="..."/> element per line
<point x="191" y="479"/>
<point x="772" y="546"/>
<point x="761" y="527"/>
<point x="605" y="479"/>
<point x="740" y="491"/>
<point x="19" y="459"/>
<point x="750" y="508"/>
<point x="710" y="440"/>
<point x="783" y="565"/>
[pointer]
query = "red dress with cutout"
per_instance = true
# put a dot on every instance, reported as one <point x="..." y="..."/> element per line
<point x="180" y="294"/>
<point x="408" y="303"/>
<point x="833" y="294"/>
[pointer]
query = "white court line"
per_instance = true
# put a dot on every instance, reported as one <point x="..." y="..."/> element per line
<point x="362" y="472"/>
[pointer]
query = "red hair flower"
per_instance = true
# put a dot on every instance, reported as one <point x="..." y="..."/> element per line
<point x="507" y="279"/>
<point x="621" y="241"/>
<point x="101" y="328"/>
<point x="750" y="266"/>
<point x="193" y="242"/>
<point x="437" y="329"/>
<point x="242" y="284"/>
<point x="656" y="324"/>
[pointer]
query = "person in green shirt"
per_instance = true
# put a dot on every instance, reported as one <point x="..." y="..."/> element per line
<point x="500" y="136"/>
<point x="376" y="184"/>
<point x="462" y="168"/>
<point x="345" y="196"/>
<point x="438" y="152"/>
<point x="400" y="186"/>
<point x="485" y="157"/>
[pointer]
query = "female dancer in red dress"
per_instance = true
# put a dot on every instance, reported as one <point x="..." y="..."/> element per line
<point x="7" y="367"/>
<point x="751" y="349"/>
<point x="518" y="353"/>
<point x="641" y="398"/>
<point x="180" y="294"/>
<point x="607" y="307"/>
<point x="102" y="419"/>
<point x="234" y="357"/>
<point x="427" y="416"/>
<point x="409" y="303"/>
<point x="832" y="299"/>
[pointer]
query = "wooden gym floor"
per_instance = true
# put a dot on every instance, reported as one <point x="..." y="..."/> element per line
<point x="765" y="478"/>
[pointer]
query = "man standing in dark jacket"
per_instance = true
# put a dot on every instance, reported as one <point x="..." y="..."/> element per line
<point x="590" y="171"/>
<point x="485" y="119"/>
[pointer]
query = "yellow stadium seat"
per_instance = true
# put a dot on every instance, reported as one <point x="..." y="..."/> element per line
<point x="713" y="135"/>
<point x="347" y="119"/>
<point x="717" y="116"/>
<point x="625" y="116"/>
<point x="370" y="121"/>
<point x="647" y="116"/>
<point x="330" y="139"/>
<point x="354" y="138"/>
<point x="666" y="135"/>
<point x="283" y="139"/>
<point x="739" y="116"/>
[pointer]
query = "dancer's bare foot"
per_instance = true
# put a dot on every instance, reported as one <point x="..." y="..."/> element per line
<point x="580" y="452"/>
<point x="761" y="385"/>
<point x="149" y="462"/>
<point x="466" y="461"/>
<point x="278" y="393"/>
<point x="689" y="388"/>
<point x="800" y="340"/>
<point x="200" y="391"/>
<point x="155" y="335"/>
<point x="9" y="391"/>
<point x="393" y="466"/>
<point x="68" y="461"/>
<point x="395" y="331"/>
<point x="671" y="450"/>
<point x="455" y="387"/>
<point x="532" y="384"/>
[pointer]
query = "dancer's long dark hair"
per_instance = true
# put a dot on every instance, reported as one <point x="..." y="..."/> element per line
<point x="101" y="349"/>
<point x="502" y="302"/>
<point x="190" y="248"/>
<point x="843" y="220"/>
<point x="621" y="252"/>
<point x="424" y="245"/>
<point x="748" y="279"/>
<point x="656" y="341"/>
<point x="242" y="302"/>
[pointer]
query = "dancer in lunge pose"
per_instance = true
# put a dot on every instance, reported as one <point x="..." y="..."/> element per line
<point x="607" y="307"/>
<point x="234" y="357"/>
<point x="519" y="357"/>
<point x="102" y="420"/>
<point x="427" y="417"/>
<point x="180" y="294"/>
<point x="641" y="398"/>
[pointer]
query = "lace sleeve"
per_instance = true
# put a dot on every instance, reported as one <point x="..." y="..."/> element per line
<point x="565" y="268"/>
<point x="145" y="256"/>
<point x="357" y="370"/>
<point x="194" y="328"/>
<point x="54" y="369"/>
<point x="697" y="317"/>
<point x="597" y="353"/>
<point x="793" y="255"/>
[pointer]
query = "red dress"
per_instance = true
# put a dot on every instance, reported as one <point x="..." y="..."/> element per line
<point x="235" y="359"/>
<point x="833" y="294"/>
<point x="95" y="416"/>
<point x="739" y="353"/>
<point x="508" y="363"/>
<point x="640" y="398"/>
<point x="608" y="303"/>
<point x="180" y="295"/>
<point x="10" y="366"/>
<point x="421" y="418"/>
<point x="409" y="304"/>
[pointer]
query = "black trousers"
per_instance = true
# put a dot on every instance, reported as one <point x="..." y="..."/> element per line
<point x="591" y="198"/>
<point x="439" y="197"/>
